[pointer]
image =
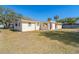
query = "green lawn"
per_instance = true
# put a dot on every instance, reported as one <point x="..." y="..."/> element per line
<point x="39" y="42"/>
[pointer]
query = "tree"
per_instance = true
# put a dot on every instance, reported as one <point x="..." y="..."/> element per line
<point x="7" y="16"/>
<point x="68" y="20"/>
<point x="71" y="20"/>
<point x="1" y="14"/>
<point x="56" y="18"/>
<point x="49" y="19"/>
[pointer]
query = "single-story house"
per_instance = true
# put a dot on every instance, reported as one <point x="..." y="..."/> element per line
<point x="25" y="25"/>
<point x="58" y="26"/>
<point x="31" y="25"/>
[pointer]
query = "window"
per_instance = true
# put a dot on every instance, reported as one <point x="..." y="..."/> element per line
<point x="29" y="24"/>
<point x="16" y="24"/>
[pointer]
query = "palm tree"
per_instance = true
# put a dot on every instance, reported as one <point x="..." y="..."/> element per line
<point x="56" y="18"/>
<point x="49" y="19"/>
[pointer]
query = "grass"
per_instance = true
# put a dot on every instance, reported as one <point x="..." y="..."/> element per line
<point x="39" y="42"/>
<point x="69" y="38"/>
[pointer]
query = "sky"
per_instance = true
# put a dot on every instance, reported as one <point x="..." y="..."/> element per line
<point x="42" y="12"/>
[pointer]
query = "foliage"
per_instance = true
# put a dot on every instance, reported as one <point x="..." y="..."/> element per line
<point x="8" y="15"/>
<point x="56" y="18"/>
<point x="68" y="20"/>
<point x="49" y="19"/>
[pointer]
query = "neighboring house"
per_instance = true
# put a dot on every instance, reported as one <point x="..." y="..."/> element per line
<point x="31" y="25"/>
<point x="58" y="26"/>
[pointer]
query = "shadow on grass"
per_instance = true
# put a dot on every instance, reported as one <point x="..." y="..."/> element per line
<point x="70" y="38"/>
